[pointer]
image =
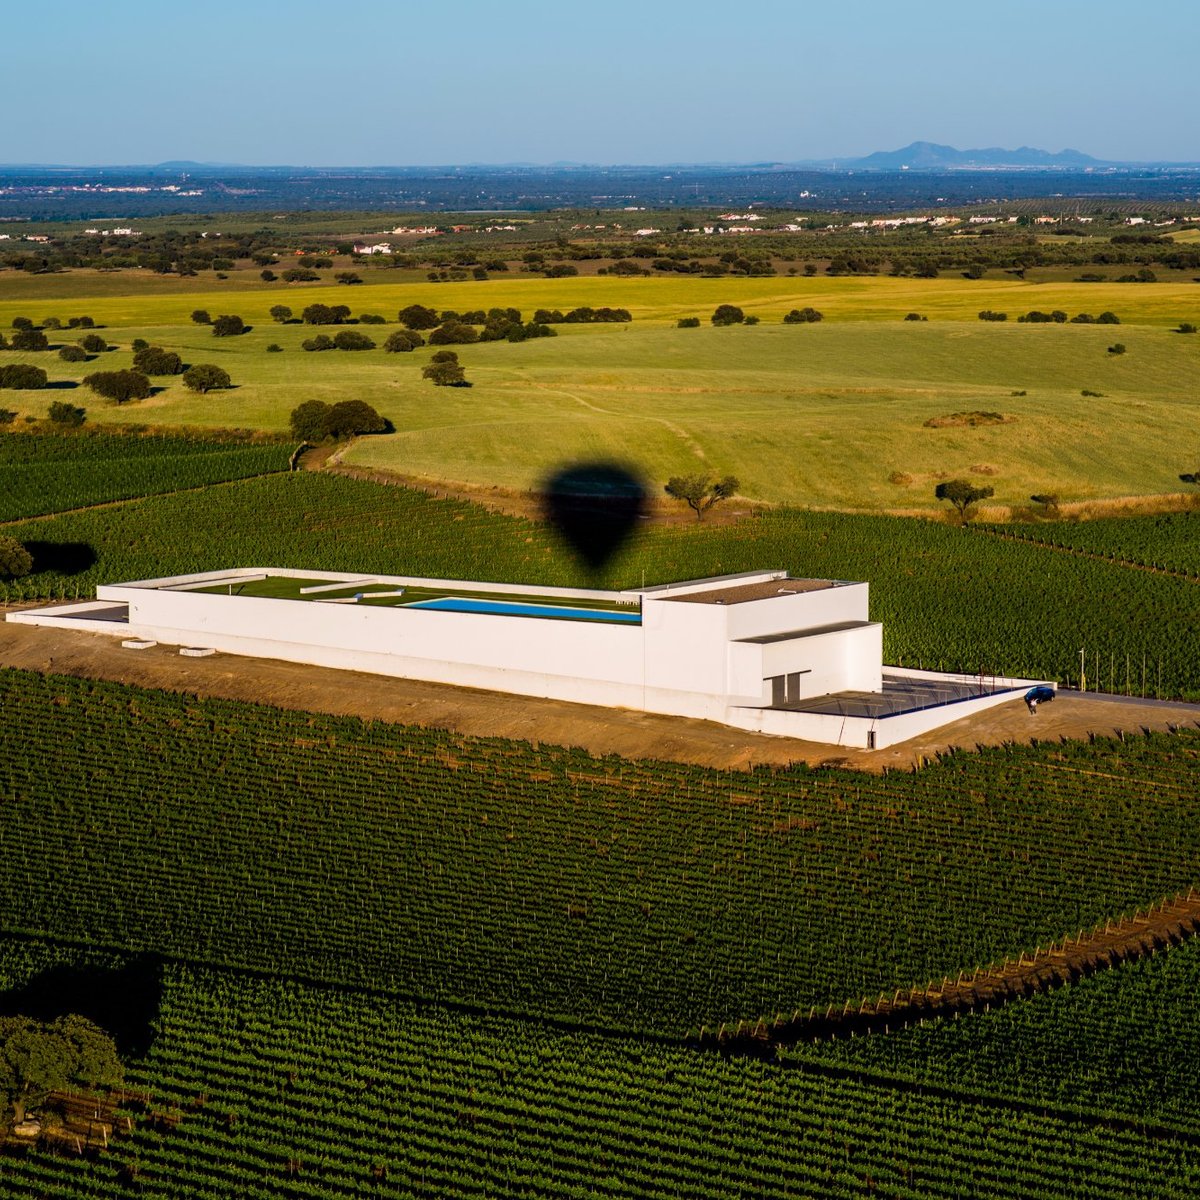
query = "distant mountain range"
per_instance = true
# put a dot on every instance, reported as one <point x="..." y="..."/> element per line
<point x="929" y="156"/>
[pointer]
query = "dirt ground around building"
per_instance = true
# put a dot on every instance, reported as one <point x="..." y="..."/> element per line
<point x="601" y="731"/>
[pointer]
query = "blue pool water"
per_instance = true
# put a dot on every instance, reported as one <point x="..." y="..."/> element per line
<point x="509" y="608"/>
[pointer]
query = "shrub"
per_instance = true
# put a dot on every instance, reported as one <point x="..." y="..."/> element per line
<point x="688" y="323"/>
<point x="1083" y="319"/>
<point x="350" y="339"/>
<point x="29" y="339"/>
<point x="229" y="325"/>
<point x="402" y="341"/>
<point x="309" y="421"/>
<point x="139" y="344"/>
<point x="7" y="416"/>
<point x="73" y="354"/>
<point x="15" y="560"/>
<point x="915" y="317"/>
<point x="991" y="315"/>
<point x="154" y="360"/>
<point x="802" y="316"/>
<point x="1186" y="327"/>
<point x="751" y="320"/>
<point x="444" y="356"/>
<point x="1117" y="348"/>
<point x="274" y="348"/>
<point x="321" y="342"/>
<point x="51" y="323"/>
<point x="267" y="275"/>
<point x="63" y="413"/>
<point x="200" y="317"/>
<point x="371" y="319"/>
<point x="1108" y="318"/>
<point x="82" y="323"/>
<point x="348" y="277"/>
<point x="1089" y="392"/>
<point x="119" y="385"/>
<point x="727" y="314"/>
<point x="300" y="275"/>
<point x="93" y="343"/>
<point x="22" y="323"/>
<point x="22" y="377"/>
<point x="205" y="377"/>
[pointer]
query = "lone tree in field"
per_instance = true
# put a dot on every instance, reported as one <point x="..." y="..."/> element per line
<point x="963" y="495"/>
<point x="119" y="385"/>
<point x="40" y="1057"/>
<point x="15" y="560"/>
<point x="281" y="313"/>
<point x="205" y="377"/>
<point x="201" y="317"/>
<point x="701" y="492"/>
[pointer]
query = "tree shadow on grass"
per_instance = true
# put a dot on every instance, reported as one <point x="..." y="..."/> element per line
<point x="61" y="384"/>
<point x="64" y="558"/>
<point x="124" y="1001"/>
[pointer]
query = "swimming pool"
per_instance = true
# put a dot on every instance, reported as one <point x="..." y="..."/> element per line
<point x="509" y="608"/>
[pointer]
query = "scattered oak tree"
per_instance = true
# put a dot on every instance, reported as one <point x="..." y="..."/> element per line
<point x="807" y="316"/>
<point x="281" y="313"/>
<point x="963" y="495"/>
<point x="22" y="377"/>
<point x="402" y="341"/>
<point x="73" y="354"/>
<point x="444" y="370"/>
<point x="201" y="317"/>
<point x="205" y="377"/>
<point x="351" y="339"/>
<point x="728" y="314"/>
<point x="29" y="339"/>
<point x="119" y="385"/>
<point x="229" y="325"/>
<point x="315" y="421"/>
<point x="15" y="560"/>
<point x="417" y="316"/>
<point x="93" y="343"/>
<point x="40" y="1057"/>
<point x="701" y="492"/>
<point x="154" y="360"/>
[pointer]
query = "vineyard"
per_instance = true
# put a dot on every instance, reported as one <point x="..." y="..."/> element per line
<point x="1167" y="542"/>
<point x="617" y="894"/>
<point x="286" y="1090"/>
<point x="1126" y="1040"/>
<point x="47" y="474"/>
<point x="1013" y="608"/>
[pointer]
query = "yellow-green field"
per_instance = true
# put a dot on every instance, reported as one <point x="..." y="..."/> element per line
<point x="818" y="414"/>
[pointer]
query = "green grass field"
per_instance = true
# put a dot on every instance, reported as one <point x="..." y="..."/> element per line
<point x="818" y="415"/>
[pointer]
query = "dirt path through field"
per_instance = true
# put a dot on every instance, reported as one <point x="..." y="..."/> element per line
<point x="1162" y="926"/>
<point x="625" y="732"/>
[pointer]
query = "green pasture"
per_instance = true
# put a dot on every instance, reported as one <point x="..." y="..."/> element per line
<point x="823" y="415"/>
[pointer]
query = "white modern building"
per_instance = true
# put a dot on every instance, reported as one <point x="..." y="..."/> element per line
<point x="759" y="651"/>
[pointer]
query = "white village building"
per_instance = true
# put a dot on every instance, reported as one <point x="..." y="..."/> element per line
<point x="760" y="651"/>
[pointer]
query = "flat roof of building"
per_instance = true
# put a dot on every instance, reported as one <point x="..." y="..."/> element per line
<point x="742" y="593"/>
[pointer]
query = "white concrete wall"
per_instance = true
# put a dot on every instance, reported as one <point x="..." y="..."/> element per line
<point x="803" y="610"/>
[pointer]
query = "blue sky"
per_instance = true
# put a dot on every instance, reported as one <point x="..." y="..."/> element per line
<point x="367" y="82"/>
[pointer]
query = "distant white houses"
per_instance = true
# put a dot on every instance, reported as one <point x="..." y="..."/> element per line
<point x="372" y="247"/>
